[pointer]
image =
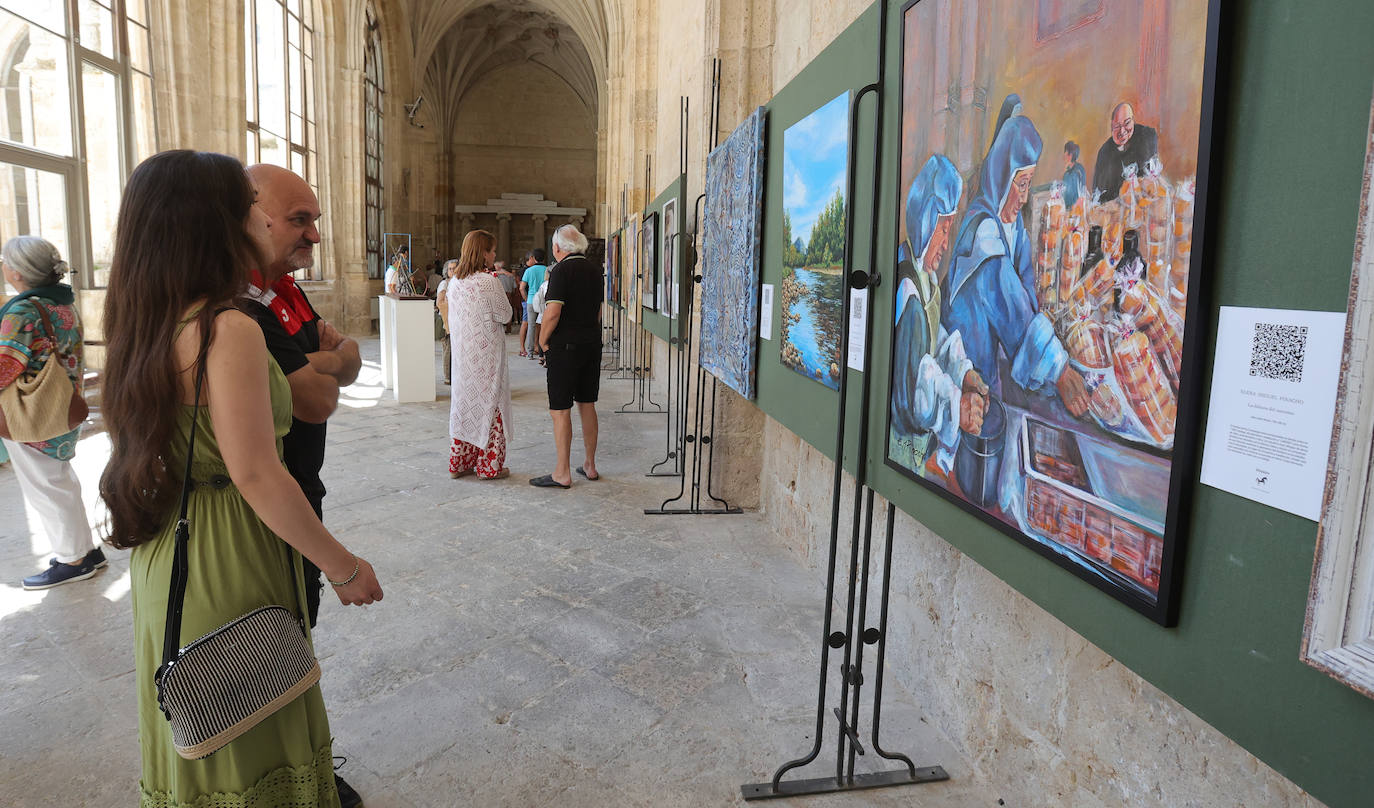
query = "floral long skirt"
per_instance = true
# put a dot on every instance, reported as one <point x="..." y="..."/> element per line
<point x="487" y="462"/>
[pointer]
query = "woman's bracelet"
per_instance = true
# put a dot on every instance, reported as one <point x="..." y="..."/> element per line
<point x="349" y="579"/>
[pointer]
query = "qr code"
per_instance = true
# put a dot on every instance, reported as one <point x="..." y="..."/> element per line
<point x="1278" y="351"/>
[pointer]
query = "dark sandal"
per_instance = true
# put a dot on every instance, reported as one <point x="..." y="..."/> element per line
<point x="583" y="472"/>
<point x="547" y="481"/>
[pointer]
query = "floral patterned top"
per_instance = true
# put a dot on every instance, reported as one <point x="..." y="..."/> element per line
<point x="25" y="347"/>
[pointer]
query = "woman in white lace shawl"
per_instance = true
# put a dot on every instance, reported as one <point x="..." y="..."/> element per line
<point x="479" y="413"/>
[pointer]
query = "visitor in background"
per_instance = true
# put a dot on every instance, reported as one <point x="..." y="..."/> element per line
<point x="316" y="358"/>
<point x="570" y="336"/>
<point x="398" y="280"/>
<point x="479" y="407"/>
<point x="511" y="286"/>
<point x="530" y="281"/>
<point x="39" y="320"/>
<point x="419" y="280"/>
<point x="441" y="300"/>
<point x="189" y="230"/>
<point x="433" y="277"/>
<point x="536" y="312"/>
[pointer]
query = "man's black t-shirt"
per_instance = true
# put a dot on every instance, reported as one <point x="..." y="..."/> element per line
<point x="303" y="446"/>
<point x="576" y="283"/>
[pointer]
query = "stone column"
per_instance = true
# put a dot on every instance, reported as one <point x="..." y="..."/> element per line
<point x="502" y="236"/>
<point x="540" y="240"/>
<point x="464" y="227"/>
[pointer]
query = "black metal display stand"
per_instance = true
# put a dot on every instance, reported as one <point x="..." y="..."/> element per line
<point x="856" y="632"/>
<point x="612" y="330"/>
<point x="640" y="367"/>
<point x="674" y="428"/>
<point x="697" y="439"/>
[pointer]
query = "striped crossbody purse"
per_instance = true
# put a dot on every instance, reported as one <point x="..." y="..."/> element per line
<point x="225" y="683"/>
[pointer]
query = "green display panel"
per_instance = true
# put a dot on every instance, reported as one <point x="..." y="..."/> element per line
<point x="799" y="403"/>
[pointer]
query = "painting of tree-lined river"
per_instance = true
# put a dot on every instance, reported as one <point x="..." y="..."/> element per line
<point x="815" y="166"/>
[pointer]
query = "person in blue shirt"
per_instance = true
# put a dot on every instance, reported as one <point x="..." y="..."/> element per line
<point x="989" y="294"/>
<point x="935" y="390"/>
<point x="535" y="273"/>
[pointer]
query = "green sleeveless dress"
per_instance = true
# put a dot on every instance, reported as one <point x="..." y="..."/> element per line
<point x="236" y="565"/>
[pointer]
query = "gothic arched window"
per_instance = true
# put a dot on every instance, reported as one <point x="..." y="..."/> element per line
<point x="279" y="85"/>
<point x="373" y="87"/>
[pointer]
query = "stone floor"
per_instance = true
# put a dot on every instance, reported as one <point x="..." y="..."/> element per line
<point x="535" y="647"/>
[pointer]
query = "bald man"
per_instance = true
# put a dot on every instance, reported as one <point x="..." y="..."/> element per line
<point x="1130" y="143"/>
<point x="315" y="357"/>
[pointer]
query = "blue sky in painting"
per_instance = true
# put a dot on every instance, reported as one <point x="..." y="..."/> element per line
<point x="814" y="159"/>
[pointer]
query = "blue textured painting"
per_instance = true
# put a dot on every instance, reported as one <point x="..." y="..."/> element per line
<point x="731" y="235"/>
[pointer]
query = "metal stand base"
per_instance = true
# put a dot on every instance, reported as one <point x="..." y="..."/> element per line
<point x="690" y="511"/>
<point x="831" y="785"/>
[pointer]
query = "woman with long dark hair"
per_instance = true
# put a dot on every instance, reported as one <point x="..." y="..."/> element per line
<point x="479" y="411"/>
<point x="188" y="232"/>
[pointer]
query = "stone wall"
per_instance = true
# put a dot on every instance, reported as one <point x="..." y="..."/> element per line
<point x="522" y="130"/>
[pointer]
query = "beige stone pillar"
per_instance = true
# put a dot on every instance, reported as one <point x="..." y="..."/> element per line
<point x="464" y="227"/>
<point x="540" y="240"/>
<point x="502" y="236"/>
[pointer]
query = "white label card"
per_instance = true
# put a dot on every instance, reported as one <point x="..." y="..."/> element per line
<point x="766" y="312"/>
<point x="1273" y="400"/>
<point x="858" y="315"/>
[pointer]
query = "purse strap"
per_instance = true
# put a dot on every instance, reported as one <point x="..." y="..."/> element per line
<point x="176" y="596"/>
<point x="47" y="323"/>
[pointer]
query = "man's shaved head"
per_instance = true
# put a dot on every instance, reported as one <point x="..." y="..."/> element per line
<point x="294" y="209"/>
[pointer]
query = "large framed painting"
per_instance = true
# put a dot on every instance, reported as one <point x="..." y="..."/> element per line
<point x="731" y="237"/>
<point x="668" y="277"/>
<point x="1054" y="160"/>
<point x="648" y="288"/>
<point x="815" y="166"/>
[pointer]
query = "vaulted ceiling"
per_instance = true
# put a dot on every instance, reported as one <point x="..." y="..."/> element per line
<point x="457" y="43"/>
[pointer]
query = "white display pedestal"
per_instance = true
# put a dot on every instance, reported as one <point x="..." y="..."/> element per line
<point x="408" y="347"/>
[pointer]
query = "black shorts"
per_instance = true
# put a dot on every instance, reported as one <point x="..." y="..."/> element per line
<point x="574" y="374"/>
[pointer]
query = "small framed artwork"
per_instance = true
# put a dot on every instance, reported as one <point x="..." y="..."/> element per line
<point x="668" y="278"/>
<point x="649" y="243"/>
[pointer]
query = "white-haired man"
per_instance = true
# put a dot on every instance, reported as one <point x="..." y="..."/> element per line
<point x="570" y="337"/>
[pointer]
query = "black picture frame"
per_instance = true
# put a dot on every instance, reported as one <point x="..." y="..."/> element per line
<point x="1163" y="607"/>
<point x="649" y="269"/>
<point x="613" y="269"/>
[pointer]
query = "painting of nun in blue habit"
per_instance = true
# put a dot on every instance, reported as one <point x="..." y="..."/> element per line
<point x="930" y="367"/>
<point x="990" y="290"/>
